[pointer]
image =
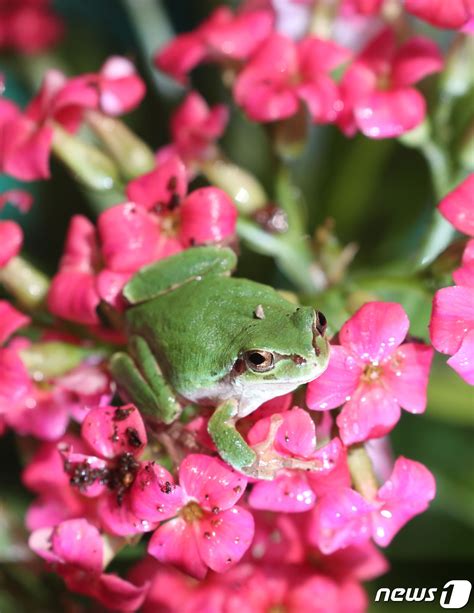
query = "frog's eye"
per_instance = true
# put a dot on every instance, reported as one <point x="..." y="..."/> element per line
<point x="258" y="360"/>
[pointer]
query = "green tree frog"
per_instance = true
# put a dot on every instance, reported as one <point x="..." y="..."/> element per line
<point x="198" y="335"/>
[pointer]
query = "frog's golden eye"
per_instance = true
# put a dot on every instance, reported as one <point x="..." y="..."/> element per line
<point x="258" y="360"/>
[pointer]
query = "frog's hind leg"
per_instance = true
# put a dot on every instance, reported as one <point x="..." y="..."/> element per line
<point x="141" y="382"/>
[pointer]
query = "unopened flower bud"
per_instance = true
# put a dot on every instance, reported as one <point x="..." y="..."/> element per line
<point x="89" y="165"/>
<point x="246" y="191"/>
<point x="131" y="154"/>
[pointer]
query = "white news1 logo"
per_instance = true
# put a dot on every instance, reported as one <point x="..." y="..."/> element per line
<point x="454" y="594"/>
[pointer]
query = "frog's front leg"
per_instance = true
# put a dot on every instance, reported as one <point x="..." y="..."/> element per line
<point x="140" y="381"/>
<point x="259" y="462"/>
<point x="229" y="442"/>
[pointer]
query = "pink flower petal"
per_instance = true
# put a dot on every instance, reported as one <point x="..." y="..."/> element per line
<point x="73" y="296"/>
<point x="363" y="562"/>
<point x="337" y="384"/>
<point x="175" y="542"/>
<point x="46" y="419"/>
<point x="195" y="126"/>
<point x="81" y="251"/>
<point x="321" y="591"/>
<point x="16" y="388"/>
<point x="237" y="36"/>
<point x="463" y="360"/>
<point x="387" y="114"/>
<point x="129" y="236"/>
<point x="10" y="320"/>
<point x="120" y="595"/>
<point x="322" y="99"/>
<point x="439" y="13"/>
<point x="289" y="492"/>
<point x="110" y="285"/>
<point x="181" y="55"/>
<point x="164" y="186"/>
<point x="465" y="274"/>
<point x="375" y="330"/>
<point x="121" y="89"/>
<point x="207" y="215"/>
<point x="211" y="482"/>
<point x="154" y="495"/>
<point x="111" y="431"/>
<point x="297" y="435"/>
<point x="320" y="56"/>
<point x="415" y="60"/>
<point x="407" y="493"/>
<point x="223" y="538"/>
<point x="458" y="206"/>
<point x="264" y="87"/>
<point x="335" y="471"/>
<point x="53" y="508"/>
<point x="452" y="318"/>
<point x="74" y="542"/>
<point x="26" y="149"/>
<point x="11" y="240"/>
<point x="407" y="373"/>
<point x="370" y="413"/>
<point x="118" y="518"/>
<point x="340" y="518"/>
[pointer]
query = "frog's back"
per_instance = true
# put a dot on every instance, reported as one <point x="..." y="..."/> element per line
<point x="192" y="329"/>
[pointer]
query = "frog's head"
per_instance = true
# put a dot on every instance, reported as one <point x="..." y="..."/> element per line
<point x="278" y="351"/>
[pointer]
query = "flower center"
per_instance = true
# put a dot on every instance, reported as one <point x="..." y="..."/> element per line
<point x="372" y="373"/>
<point x="192" y="512"/>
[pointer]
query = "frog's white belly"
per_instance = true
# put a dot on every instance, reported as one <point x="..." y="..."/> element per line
<point x="248" y="396"/>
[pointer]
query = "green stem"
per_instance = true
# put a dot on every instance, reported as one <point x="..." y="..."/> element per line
<point x="440" y="232"/>
<point x="25" y="282"/>
<point x="153" y="29"/>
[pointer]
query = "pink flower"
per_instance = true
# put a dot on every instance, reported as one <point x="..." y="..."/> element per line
<point x="117" y="437"/>
<point x="11" y="240"/>
<point x="78" y="552"/>
<point x="56" y="501"/>
<point x="372" y="374"/>
<point x="205" y="528"/>
<point x="162" y="219"/>
<point x="24" y="145"/>
<point x="452" y="317"/>
<point x="452" y="328"/>
<point x="195" y="127"/>
<point x="343" y="517"/>
<point x="115" y="89"/>
<point x="16" y="387"/>
<point x="453" y="14"/>
<point x="28" y="26"/>
<point x="293" y="491"/>
<point x="377" y="89"/>
<point x="458" y="206"/>
<point x="222" y="37"/>
<point x="206" y="215"/>
<point x="26" y="138"/>
<point x="282" y="74"/>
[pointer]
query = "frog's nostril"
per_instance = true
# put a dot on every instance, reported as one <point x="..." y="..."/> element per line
<point x="319" y="324"/>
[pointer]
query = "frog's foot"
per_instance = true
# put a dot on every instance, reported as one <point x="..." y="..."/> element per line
<point x="151" y="395"/>
<point x="268" y="461"/>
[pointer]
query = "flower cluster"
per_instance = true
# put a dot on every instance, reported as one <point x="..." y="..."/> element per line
<point x="275" y="75"/>
<point x="110" y="483"/>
